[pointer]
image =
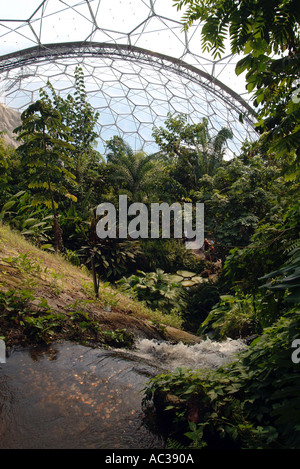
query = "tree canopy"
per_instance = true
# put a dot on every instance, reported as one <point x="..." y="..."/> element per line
<point x="267" y="33"/>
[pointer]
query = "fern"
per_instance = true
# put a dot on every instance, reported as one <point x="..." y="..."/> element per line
<point x="293" y="250"/>
<point x="174" y="444"/>
<point x="287" y="278"/>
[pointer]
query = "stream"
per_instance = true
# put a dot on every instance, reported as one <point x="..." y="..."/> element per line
<point x="68" y="396"/>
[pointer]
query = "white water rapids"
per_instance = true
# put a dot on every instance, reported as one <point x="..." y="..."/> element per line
<point x="205" y="354"/>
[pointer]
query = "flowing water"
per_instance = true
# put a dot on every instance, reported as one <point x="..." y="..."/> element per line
<point x="69" y="396"/>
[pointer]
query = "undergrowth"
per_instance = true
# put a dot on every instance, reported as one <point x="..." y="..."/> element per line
<point x="252" y="403"/>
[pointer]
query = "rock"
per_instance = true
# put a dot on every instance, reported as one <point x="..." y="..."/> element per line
<point x="249" y="339"/>
<point x="140" y="328"/>
<point x="178" y="335"/>
<point x="9" y="120"/>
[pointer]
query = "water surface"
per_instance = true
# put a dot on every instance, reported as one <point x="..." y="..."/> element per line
<point x="72" y="396"/>
<point x="69" y="396"/>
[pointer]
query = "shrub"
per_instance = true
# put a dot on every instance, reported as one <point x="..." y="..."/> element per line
<point x="155" y="289"/>
<point x="200" y="299"/>
<point x="169" y="255"/>
<point x="252" y="403"/>
<point x="234" y="317"/>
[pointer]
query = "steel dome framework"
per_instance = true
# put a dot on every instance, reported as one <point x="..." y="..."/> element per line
<point x="139" y="65"/>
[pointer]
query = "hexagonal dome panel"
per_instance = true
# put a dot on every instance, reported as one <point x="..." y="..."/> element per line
<point x="139" y="65"/>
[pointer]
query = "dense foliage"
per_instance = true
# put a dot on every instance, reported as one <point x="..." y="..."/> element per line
<point x="267" y="34"/>
<point x="250" y="404"/>
<point x="248" y="274"/>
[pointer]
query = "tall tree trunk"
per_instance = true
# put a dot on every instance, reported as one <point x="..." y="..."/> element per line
<point x="57" y="232"/>
<point x="93" y="242"/>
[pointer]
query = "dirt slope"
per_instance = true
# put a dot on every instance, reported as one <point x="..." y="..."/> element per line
<point x="50" y="276"/>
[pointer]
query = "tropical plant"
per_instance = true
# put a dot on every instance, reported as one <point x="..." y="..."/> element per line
<point x="287" y="278"/>
<point x="37" y="324"/>
<point x="81" y="119"/>
<point x="241" y="194"/>
<point x="4" y="150"/>
<point x="156" y="289"/>
<point x="169" y="255"/>
<point x="274" y="236"/>
<point x="108" y="258"/>
<point x="44" y="150"/>
<point x="190" y="148"/>
<point x="200" y="300"/>
<point x="32" y="221"/>
<point x="128" y="170"/>
<point x="234" y="316"/>
<point x="268" y="36"/>
<point x="249" y="404"/>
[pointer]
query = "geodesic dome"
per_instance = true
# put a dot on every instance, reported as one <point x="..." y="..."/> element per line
<point x="139" y="65"/>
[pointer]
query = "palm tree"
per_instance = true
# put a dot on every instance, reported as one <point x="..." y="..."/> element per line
<point x="132" y="171"/>
<point x="211" y="152"/>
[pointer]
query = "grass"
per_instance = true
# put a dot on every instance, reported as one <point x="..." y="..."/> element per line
<point x="50" y="280"/>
